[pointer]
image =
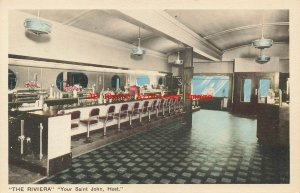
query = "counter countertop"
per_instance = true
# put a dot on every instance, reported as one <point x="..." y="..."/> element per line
<point x="49" y="113"/>
<point x="55" y="112"/>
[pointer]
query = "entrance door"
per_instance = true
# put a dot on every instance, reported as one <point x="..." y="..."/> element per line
<point x="251" y="89"/>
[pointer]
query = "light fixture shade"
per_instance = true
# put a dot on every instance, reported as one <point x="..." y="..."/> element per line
<point x="178" y="61"/>
<point x="37" y="26"/>
<point x="262" y="59"/>
<point x="138" y="51"/>
<point x="262" y="43"/>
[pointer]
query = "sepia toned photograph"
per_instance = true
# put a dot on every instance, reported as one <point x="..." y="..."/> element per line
<point x="99" y="99"/>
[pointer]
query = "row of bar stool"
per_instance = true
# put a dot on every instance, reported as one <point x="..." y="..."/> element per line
<point x="172" y="106"/>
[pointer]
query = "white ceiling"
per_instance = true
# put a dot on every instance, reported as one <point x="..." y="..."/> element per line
<point x="224" y="29"/>
<point x="239" y="27"/>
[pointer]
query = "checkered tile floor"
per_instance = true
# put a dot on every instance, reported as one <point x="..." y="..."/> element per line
<point x="220" y="148"/>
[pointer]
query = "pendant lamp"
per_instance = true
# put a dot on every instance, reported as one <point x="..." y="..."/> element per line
<point x="138" y="51"/>
<point x="178" y="61"/>
<point x="261" y="44"/>
<point x="37" y="26"/>
<point x="262" y="58"/>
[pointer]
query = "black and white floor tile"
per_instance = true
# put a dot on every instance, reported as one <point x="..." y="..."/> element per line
<point x="219" y="149"/>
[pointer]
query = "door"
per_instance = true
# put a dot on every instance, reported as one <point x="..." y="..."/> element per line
<point x="250" y="90"/>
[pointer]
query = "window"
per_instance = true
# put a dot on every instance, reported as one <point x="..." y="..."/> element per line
<point x="71" y="79"/>
<point x="115" y="82"/>
<point x="142" y="80"/>
<point x="246" y="90"/>
<point x="264" y="86"/>
<point x="217" y="86"/>
<point x="12" y="80"/>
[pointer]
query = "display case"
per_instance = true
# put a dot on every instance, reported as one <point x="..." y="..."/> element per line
<point x="26" y="99"/>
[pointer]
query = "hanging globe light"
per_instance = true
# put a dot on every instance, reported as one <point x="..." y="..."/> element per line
<point x="262" y="43"/>
<point x="138" y="51"/>
<point x="37" y="26"/>
<point x="262" y="59"/>
<point x="178" y="61"/>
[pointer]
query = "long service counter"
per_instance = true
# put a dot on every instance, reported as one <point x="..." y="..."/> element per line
<point x="43" y="140"/>
<point x="84" y="114"/>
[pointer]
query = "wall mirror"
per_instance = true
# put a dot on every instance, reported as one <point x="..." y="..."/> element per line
<point x="12" y="80"/>
<point x="115" y="82"/>
<point x="71" y="79"/>
<point x="161" y="80"/>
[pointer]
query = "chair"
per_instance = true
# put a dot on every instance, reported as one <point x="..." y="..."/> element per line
<point x="75" y="117"/>
<point x="152" y="108"/>
<point x="123" y="113"/>
<point x="181" y="105"/>
<point x="134" y="111"/>
<point x="108" y="117"/>
<point x="176" y="106"/>
<point x="93" y="119"/>
<point x="143" y="110"/>
<point x="166" y="106"/>
<point x="169" y="105"/>
<point x="160" y="107"/>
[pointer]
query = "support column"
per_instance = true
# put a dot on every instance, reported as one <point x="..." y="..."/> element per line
<point x="187" y="76"/>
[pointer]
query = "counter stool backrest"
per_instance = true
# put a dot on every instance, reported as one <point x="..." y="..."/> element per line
<point x="94" y="112"/>
<point x="135" y="108"/>
<point x="124" y="108"/>
<point x="110" y="113"/>
<point x="176" y="102"/>
<point x="166" y="103"/>
<point x="171" y="102"/>
<point x="146" y="103"/>
<point x="111" y="110"/>
<point x="145" y="106"/>
<point x="136" y="105"/>
<point x="154" y="105"/>
<point x="123" y="111"/>
<point x="161" y="103"/>
<point x="75" y="115"/>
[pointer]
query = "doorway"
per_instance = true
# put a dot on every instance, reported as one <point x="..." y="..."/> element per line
<point x="250" y="90"/>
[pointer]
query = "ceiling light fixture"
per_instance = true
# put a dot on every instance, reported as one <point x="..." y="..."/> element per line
<point x="138" y="51"/>
<point x="37" y="26"/>
<point x="262" y="58"/>
<point x="178" y="61"/>
<point x="261" y="44"/>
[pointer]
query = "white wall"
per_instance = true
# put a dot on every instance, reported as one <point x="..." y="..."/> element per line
<point x="284" y="65"/>
<point x="250" y="65"/>
<point x="72" y="44"/>
<point x="213" y="67"/>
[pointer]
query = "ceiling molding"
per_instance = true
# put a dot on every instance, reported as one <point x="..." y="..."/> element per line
<point x="244" y="28"/>
<point x="168" y="27"/>
<point x="76" y="18"/>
